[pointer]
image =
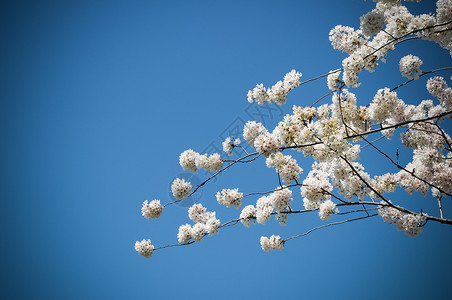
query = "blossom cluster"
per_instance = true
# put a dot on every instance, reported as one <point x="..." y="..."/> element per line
<point x="286" y="166"/>
<point x="193" y="161"/>
<point x="326" y="209"/>
<point x="409" y="223"/>
<point x="181" y="188"/>
<point x="205" y="223"/>
<point x="229" y="144"/>
<point x="144" y="248"/>
<point x="248" y="214"/>
<point x="409" y="66"/>
<point x="278" y="203"/>
<point x="378" y="32"/>
<point x="277" y="94"/>
<point x="230" y="197"/>
<point x="334" y="134"/>
<point x="438" y="88"/>
<point x="275" y="242"/>
<point x="152" y="209"/>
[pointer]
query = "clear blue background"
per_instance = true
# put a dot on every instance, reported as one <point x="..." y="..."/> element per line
<point x="99" y="98"/>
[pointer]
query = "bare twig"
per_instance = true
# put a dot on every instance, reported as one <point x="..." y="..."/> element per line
<point x="328" y="225"/>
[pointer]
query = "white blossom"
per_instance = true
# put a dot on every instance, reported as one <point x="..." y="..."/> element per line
<point x="409" y="66"/>
<point x="230" y="197"/>
<point x="334" y="80"/>
<point x="266" y="144"/>
<point x="184" y="234"/>
<point x="285" y="166"/>
<point x="229" y="145"/>
<point x="144" y="248"/>
<point x="372" y="22"/>
<point x="151" y="209"/>
<point x="212" y="224"/>
<point x="277" y="94"/>
<point x="252" y="130"/>
<point x="198" y="213"/>
<point x="187" y="160"/>
<point x="326" y="209"/>
<point x="264" y="209"/>
<point x="180" y="188"/>
<point x="198" y="231"/>
<point x="409" y="223"/>
<point x="248" y="213"/>
<point x="273" y="243"/>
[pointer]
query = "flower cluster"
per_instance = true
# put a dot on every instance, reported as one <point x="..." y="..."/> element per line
<point x="277" y="94"/>
<point x="206" y="223"/>
<point x="346" y="39"/>
<point x="229" y="144"/>
<point x="264" y="209"/>
<point x="248" y="213"/>
<point x="285" y="166"/>
<point x="144" y="248"/>
<point x="409" y="66"/>
<point x="333" y="135"/>
<point x="280" y="199"/>
<point x="409" y="223"/>
<point x="384" y="105"/>
<point x="316" y="187"/>
<point x="252" y="130"/>
<point x="266" y="144"/>
<point x="386" y="183"/>
<point x="372" y="22"/>
<point x="334" y="81"/>
<point x="152" y="209"/>
<point x="275" y="242"/>
<point x="192" y="161"/>
<point x="181" y="188"/>
<point x="229" y="197"/>
<point x="439" y="89"/>
<point x="326" y="209"/>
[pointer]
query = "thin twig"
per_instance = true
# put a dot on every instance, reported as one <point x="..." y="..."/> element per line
<point x="328" y="225"/>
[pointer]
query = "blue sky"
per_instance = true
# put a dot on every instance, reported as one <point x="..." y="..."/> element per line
<point x="99" y="98"/>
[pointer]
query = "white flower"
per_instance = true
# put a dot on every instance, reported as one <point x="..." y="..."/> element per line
<point x="383" y="105"/>
<point x="152" y="209"/>
<point x="266" y="144"/>
<point x="286" y="166"/>
<point x="214" y="163"/>
<point x="438" y="88"/>
<point x="372" y="22"/>
<point x="184" y="234"/>
<point x="212" y="224"/>
<point x="197" y="213"/>
<point x="187" y="160"/>
<point x="346" y="39"/>
<point x="326" y="209"/>
<point x="252" y="130"/>
<point x="409" y="223"/>
<point x="291" y="81"/>
<point x="273" y="243"/>
<point x="281" y="199"/>
<point x="258" y="94"/>
<point x="209" y="163"/>
<point x="228" y="145"/>
<point x="278" y="92"/>
<point x="334" y="80"/>
<point x="144" y="248"/>
<point x="229" y="197"/>
<point x="264" y="209"/>
<point x="198" y="231"/>
<point x="180" y="188"/>
<point x="409" y="66"/>
<point x="248" y="213"/>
